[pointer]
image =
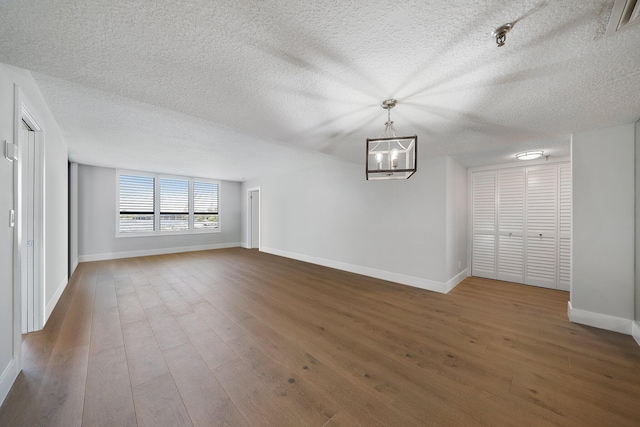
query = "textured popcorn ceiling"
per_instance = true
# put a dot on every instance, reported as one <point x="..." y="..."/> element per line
<point x="236" y="89"/>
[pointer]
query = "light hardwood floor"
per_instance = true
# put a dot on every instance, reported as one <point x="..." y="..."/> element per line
<point x="241" y="338"/>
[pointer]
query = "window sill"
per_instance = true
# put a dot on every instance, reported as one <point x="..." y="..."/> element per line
<point x="167" y="233"/>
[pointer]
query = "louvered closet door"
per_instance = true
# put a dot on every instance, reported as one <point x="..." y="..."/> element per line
<point x="564" y="225"/>
<point x="483" y="262"/>
<point x="510" y="259"/>
<point x="541" y="226"/>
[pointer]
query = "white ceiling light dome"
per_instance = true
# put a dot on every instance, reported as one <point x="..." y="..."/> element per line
<point x="530" y="155"/>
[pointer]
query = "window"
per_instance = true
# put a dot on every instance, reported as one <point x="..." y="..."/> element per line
<point x="174" y="204"/>
<point x="150" y="204"/>
<point x="205" y="205"/>
<point x="136" y="204"/>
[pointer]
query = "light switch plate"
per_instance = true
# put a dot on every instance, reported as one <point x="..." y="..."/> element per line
<point x="12" y="218"/>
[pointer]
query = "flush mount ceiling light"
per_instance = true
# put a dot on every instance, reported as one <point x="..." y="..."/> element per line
<point x="530" y="155"/>
<point x="391" y="156"/>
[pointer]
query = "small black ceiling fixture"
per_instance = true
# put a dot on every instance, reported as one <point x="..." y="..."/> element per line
<point x="500" y="33"/>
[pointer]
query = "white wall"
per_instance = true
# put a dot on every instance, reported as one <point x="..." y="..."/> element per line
<point x="396" y="230"/>
<point x="55" y="206"/>
<point x="637" y="242"/>
<point x="635" y="329"/>
<point x="602" y="288"/>
<point x="457" y="222"/>
<point x="7" y="325"/>
<point x="73" y="217"/>
<point x="97" y="222"/>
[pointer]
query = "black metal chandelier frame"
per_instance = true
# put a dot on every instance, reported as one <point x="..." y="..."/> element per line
<point x="391" y="156"/>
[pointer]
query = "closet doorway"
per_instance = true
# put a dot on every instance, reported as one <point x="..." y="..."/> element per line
<point x="29" y="216"/>
<point x="521" y="224"/>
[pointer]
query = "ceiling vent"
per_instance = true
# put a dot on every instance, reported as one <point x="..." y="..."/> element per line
<point x="625" y="13"/>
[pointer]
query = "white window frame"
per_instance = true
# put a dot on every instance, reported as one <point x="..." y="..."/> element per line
<point x="189" y="202"/>
<point x="156" y="205"/>
<point x="192" y="206"/>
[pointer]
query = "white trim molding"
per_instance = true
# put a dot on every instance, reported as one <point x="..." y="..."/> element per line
<point x="8" y="377"/>
<point x="249" y="237"/>
<point x="635" y="331"/>
<point x="151" y="252"/>
<point x="597" y="320"/>
<point x="521" y="163"/>
<point x="25" y="112"/>
<point x="74" y="265"/>
<point x="54" y="299"/>
<point x="403" y="279"/>
<point x="455" y="281"/>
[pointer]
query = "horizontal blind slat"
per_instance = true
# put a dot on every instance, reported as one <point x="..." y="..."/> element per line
<point x="205" y="205"/>
<point x="174" y="204"/>
<point x="136" y="204"/>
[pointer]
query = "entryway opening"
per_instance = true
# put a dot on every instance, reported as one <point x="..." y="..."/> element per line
<point x="253" y="218"/>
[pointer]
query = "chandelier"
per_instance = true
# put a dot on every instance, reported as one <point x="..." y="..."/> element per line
<point x="391" y="156"/>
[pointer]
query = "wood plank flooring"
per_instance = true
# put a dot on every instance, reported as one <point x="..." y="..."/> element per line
<point x="240" y="338"/>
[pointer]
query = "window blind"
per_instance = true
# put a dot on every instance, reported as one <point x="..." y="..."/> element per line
<point x="205" y="205"/>
<point x="154" y="204"/>
<point x="174" y="204"/>
<point x="136" y="204"/>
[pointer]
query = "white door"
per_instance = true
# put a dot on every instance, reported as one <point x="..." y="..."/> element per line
<point x="510" y="259"/>
<point x="255" y="219"/>
<point x="483" y="260"/>
<point x="541" y="225"/>
<point x="30" y="294"/>
<point x="521" y="225"/>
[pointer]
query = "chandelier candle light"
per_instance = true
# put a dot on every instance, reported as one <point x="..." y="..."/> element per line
<point x="391" y="156"/>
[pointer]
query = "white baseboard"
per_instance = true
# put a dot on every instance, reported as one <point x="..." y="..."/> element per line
<point x="452" y="283"/>
<point x="54" y="300"/>
<point x="73" y="267"/>
<point x="635" y="331"/>
<point x="8" y="377"/>
<point x="597" y="320"/>
<point x="417" y="282"/>
<point x="245" y="245"/>
<point x="151" y="252"/>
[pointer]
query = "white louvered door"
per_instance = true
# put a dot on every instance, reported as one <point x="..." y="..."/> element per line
<point x="510" y="259"/>
<point x="541" y="226"/>
<point x="521" y="225"/>
<point x="564" y="225"/>
<point x="484" y="224"/>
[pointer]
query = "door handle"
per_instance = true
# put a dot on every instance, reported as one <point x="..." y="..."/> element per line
<point x="30" y="243"/>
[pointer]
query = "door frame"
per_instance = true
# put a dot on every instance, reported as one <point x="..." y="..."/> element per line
<point x="250" y="218"/>
<point x="24" y="111"/>
<point x="470" y="172"/>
